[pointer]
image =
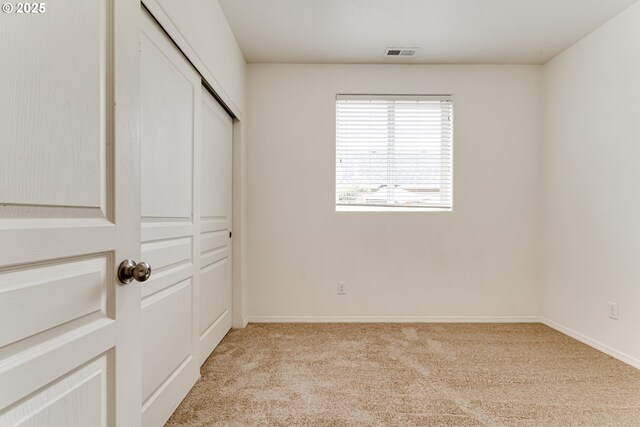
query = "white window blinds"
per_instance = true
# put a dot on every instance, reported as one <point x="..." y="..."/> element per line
<point x="394" y="152"/>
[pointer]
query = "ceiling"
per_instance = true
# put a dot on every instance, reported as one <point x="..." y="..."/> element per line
<point x="445" y="31"/>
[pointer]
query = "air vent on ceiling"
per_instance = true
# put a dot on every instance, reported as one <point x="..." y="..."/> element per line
<point x="400" y="51"/>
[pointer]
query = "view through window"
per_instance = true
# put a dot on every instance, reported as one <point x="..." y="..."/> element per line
<point x="394" y="152"/>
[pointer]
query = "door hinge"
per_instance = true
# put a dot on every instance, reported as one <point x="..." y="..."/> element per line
<point x="229" y="234"/>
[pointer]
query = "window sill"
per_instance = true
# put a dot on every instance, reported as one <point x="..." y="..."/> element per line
<point x="388" y="209"/>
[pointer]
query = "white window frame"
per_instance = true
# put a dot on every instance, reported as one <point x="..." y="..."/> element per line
<point x="446" y="169"/>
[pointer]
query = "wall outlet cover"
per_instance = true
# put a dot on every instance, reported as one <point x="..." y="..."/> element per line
<point x="342" y="288"/>
<point x="613" y="310"/>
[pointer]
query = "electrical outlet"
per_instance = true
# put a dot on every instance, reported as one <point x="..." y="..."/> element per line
<point x="342" y="288"/>
<point x="613" y="310"/>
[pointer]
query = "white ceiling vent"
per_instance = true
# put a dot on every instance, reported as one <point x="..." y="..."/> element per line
<point x="400" y="51"/>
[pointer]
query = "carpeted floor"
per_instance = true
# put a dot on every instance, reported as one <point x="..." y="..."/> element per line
<point x="409" y="375"/>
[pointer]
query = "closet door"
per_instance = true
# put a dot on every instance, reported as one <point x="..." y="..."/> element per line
<point x="215" y="225"/>
<point x="171" y="102"/>
<point x="69" y="193"/>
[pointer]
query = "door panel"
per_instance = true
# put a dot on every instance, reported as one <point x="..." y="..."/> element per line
<point x="44" y="297"/>
<point x="165" y="253"/>
<point x="170" y="100"/>
<point x="215" y="225"/>
<point x="217" y="128"/>
<point x="167" y="132"/>
<point x="55" y="126"/>
<point x="79" y="398"/>
<point x="166" y="315"/>
<point x="214" y="295"/>
<point x="55" y="88"/>
<point x="69" y="195"/>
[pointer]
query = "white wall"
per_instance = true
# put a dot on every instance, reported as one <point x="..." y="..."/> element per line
<point x="593" y="187"/>
<point x="479" y="260"/>
<point x="200" y="29"/>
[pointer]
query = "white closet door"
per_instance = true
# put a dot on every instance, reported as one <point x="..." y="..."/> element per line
<point x="215" y="225"/>
<point x="69" y="192"/>
<point x="170" y="99"/>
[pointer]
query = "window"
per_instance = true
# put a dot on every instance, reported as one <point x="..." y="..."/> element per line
<point x="394" y="152"/>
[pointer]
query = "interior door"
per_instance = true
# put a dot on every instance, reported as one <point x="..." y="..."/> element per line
<point x="69" y="209"/>
<point x="170" y="105"/>
<point x="215" y="224"/>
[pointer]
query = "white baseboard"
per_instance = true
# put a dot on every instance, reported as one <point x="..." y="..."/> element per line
<point x="593" y="343"/>
<point x="243" y="324"/>
<point x="394" y="319"/>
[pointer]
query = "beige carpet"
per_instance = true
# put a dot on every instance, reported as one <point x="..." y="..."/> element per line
<point x="409" y="375"/>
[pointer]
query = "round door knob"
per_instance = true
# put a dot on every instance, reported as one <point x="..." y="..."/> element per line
<point x="129" y="271"/>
